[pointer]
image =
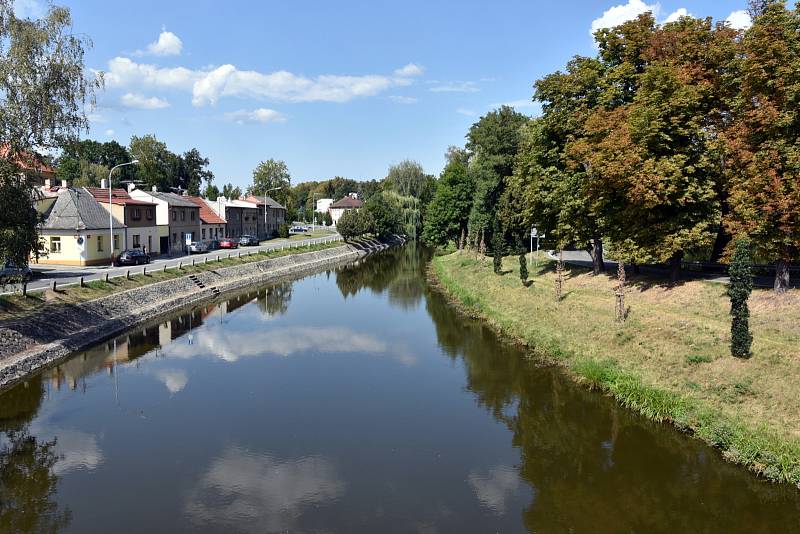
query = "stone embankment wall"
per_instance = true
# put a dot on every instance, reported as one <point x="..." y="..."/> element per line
<point x="31" y="343"/>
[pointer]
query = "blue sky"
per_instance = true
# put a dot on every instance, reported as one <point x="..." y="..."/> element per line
<point x="332" y="88"/>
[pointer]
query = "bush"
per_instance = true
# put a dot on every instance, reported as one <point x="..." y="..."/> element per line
<point x="283" y="230"/>
<point x="741" y="285"/>
<point x="523" y="268"/>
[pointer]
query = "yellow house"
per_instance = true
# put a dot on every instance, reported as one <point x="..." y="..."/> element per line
<point x="76" y="231"/>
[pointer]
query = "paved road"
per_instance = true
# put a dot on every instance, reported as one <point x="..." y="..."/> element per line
<point x="583" y="259"/>
<point x="45" y="274"/>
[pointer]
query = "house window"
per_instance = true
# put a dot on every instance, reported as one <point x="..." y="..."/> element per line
<point x="137" y="214"/>
<point x="136" y="243"/>
<point x="55" y="244"/>
<point x="116" y="241"/>
<point x="99" y="243"/>
<point x="183" y="215"/>
<point x="192" y="214"/>
<point x="174" y="239"/>
<point x="149" y="214"/>
<point x="174" y="215"/>
<point x="204" y="233"/>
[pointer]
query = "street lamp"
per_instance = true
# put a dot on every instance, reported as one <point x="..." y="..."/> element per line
<point x="265" y="207"/>
<point x="110" y="210"/>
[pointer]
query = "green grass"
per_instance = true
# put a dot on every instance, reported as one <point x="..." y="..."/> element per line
<point x="16" y="306"/>
<point x="669" y="361"/>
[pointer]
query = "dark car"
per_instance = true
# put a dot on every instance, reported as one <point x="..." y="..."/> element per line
<point x="12" y="273"/>
<point x="228" y="242"/>
<point x="132" y="257"/>
<point x="213" y="244"/>
<point x="248" y="240"/>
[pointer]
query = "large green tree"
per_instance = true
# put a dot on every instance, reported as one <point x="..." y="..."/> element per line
<point x="448" y="213"/>
<point x="43" y="90"/>
<point x="271" y="174"/>
<point x="156" y="163"/>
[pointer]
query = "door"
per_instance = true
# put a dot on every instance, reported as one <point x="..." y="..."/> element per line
<point x="164" y="244"/>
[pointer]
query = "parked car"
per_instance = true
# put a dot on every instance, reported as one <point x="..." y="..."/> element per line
<point x="197" y="247"/>
<point x="228" y="242"/>
<point x="12" y="273"/>
<point x="298" y="230"/>
<point x="213" y="244"/>
<point x="132" y="257"/>
<point x="248" y="240"/>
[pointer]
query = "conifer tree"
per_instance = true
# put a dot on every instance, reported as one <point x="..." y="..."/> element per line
<point x="741" y="285"/>
<point x="523" y="268"/>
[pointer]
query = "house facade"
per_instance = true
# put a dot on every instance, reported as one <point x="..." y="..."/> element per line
<point x="177" y="219"/>
<point x="76" y="230"/>
<point x="212" y="226"/>
<point x="241" y="218"/>
<point x="343" y="205"/>
<point x="139" y="217"/>
<point x="275" y="215"/>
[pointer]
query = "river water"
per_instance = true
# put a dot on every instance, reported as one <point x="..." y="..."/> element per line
<point x="349" y="401"/>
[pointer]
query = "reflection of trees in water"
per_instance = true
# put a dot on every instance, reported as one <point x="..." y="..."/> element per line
<point x="399" y="271"/>
<point x="595" y="466"/>
<point x="27" y="482"/>
<point x="275" y="299"/>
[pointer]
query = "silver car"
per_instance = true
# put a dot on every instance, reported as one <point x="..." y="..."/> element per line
<point x="197" y="247"/>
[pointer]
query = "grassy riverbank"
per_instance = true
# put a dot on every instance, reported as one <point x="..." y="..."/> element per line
<point x="670" y="360"/>
<point x="16" y="306"/>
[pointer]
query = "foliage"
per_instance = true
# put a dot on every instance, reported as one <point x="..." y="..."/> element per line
<point x="523" y="268"/>
<point x="154" y="162"/>
<point x="497" y="248"/>
<point x="271" y="174"/>
<point x="211" y="192"/>
<point x="355" y="223"/>
<point x="739" y="289"/>
<point x="230" y="191"/>
<point x="386" y="215"/>
<point x="407" y="178"/>
<point x="448" y="213"/>
<point x="18" y="218"/>
<point x="283" y="230"/>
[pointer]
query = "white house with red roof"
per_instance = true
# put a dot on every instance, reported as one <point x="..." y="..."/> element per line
<point x="212" y="226"/>
<point x="343" y="205"/>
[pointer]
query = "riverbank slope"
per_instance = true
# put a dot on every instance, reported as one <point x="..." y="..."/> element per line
<point x="42" y="337"/>
<point x="669" y="361"/>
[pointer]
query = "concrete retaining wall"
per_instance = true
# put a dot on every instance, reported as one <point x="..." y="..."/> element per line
<point x="30" y="344"/>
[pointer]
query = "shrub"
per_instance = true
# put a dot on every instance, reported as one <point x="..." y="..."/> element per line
<point x="283" y="230"/>
<point x="739" y="289"/>
<point x="523" y="268"/>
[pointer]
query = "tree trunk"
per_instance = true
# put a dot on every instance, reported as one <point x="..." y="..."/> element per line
<point x="782" y="276"/>
<point x="675" y="267"/>
<point x="723" y="237"/>
<point x="595" y="249"/>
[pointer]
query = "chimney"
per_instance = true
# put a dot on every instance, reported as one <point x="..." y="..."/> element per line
<point x="131" y="187"/>
<point x="64" y="184"/>
<point x="154" y="189"/>
<point x="103" y="184"/>
<point x="47" y="183"/>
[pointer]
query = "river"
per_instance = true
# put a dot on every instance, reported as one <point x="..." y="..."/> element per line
<point x="349" y="401"/>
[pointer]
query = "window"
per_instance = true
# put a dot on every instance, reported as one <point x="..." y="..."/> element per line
<point x="174" y="215"/>
<point x="99" y="243"/>
<point x="192" y="214"/>
<point x="137" y="214"/>
<point x="55" y="244"/>
<point x="116" y="241"/>
<point x="136" y="243"/>
<point x="149" y="214"/>
<point x="183" y="215"/>
<point x="204" y="233"/>
<point x="149" y="242"/>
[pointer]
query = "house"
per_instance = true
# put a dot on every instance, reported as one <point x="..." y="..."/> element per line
<point x="212" y="226"/>
<point x="31" y="166"/>
<point x="241" y="217"/>
<point x="275" y="215"/>
<point x="323" y="205"/>
<point x="177" y="219"/>
<point x="138" y="216"/>
<point x="76" y="230"/>
<point x="343" y="205"/>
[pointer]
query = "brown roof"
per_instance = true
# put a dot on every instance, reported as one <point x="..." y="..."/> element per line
<point x="118" y="196"/>
<point x="347" y="203"/>
<point x="28" y="161"/>
<point x="207" y="215"/>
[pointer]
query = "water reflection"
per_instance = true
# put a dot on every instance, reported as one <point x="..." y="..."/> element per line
<point x="494" y="487"/>
<point x="247" y="490"/>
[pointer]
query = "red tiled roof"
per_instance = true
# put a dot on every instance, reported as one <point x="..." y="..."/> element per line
<point x="118" y="196"/>
<point x="207" y="215"/>
<point x="28" y="162"/>
<point x="347" y="203"/>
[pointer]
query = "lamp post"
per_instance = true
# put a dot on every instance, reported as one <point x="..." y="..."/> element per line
<point x="265" y="207"/>
<point x="110" y="210"/>
<point x="313" y="211"/>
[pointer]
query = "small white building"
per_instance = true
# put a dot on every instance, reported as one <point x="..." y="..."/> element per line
<point x="323" y="205"/>
<point x="343" y="205"/>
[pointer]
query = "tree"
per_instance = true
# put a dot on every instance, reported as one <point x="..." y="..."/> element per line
<point x="765" y="191"/>
<point x="523" y="268"/>
<point x="194" y="172"/>
<point x="230" y="191"/>
<point x="407" y="178"/>
<point x="155" y="162"/>
<point x="739" y="289"/>
<point x="327" y="219"/>
<point x="43" y="89"/>
<point x="211" y="192"/>
<point x="348" y="225"/>
<point x="385" y="214"/>
<point x="448" y="213"/>
<point x="283" y="231"/>
<point x="497" y="248"/>
<point x="271" y="174"/>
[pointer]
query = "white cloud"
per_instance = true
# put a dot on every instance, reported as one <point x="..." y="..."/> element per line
<point x="29" y="9"/>
<point x="167" y="44"/>
<point x="110" y="133"/>
<point x="454" y="87"/>
<point x="260" y="115"/>
<point x="465" y="111"/>
<point x="135" y="100"/>
<point x="411" y="69"/>
<point x="495" y="487"/>
<point x="174" y="379"/>
<point x="616" y="15"/>
<point x="209" y="85"/>
<point x="677" y="14"/>
<point x="403" y="99"/>
<point x="739" y="20"/>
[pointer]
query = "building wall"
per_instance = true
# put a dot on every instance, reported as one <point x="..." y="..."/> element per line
<point x="336" y="213"/>
<point x="75" y="253"/>
<point x="212" y="231"/>
<point x="144" y="228"/>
